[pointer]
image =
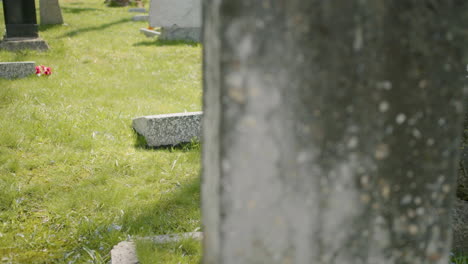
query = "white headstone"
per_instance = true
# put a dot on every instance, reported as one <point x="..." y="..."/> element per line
<point x="182" y="13"/>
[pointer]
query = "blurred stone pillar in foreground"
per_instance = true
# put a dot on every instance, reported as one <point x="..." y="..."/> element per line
<point x="331" y="130"/>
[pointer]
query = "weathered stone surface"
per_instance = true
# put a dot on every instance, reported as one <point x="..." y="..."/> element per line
<point x="50" y="12"/>
<point x="149" y="33"/>
<point x="137" y="10"/>
<point x="177" y="33"/>
<point x="331" y="130"/>
<point x="182" y="13"/>
<point x="13" y="70"/>
<point x="124" y="253"/>
<point x="174" y="237"/>
<point x="170" y="129"/>
<point x="15" y="44"/>
<point x="140" y="18"/>
<point x="460" y="227"/>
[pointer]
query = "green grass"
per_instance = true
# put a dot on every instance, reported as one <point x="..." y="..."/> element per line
<point x="74" y="177"/>
<point x="185" y="251"/>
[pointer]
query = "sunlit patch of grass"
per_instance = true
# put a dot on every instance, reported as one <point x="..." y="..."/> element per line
<point x="74" y="178"/>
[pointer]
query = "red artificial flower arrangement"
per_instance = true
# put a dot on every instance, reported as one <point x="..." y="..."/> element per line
<point x="43" y="70"/>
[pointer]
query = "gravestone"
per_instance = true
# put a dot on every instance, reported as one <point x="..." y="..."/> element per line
<point x="21" y="26"/>
<point x="178" y="19"/>
<point x="168" y="129"/>
<point x="13" y="70"/>
<point x="50" y="12"/>
<point x="331" y="130"/>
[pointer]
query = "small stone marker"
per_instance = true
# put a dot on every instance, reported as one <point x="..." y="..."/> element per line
<point x="149" y="33"/>
<point x="125" y="251"/>
<point x="169" y="129"/>
<point x="137" y="10"/>
<point x="140" y="18"/>
<point x="12" y="70"/>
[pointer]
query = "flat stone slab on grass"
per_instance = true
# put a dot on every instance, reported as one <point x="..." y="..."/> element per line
<point x="137" y="10"/>
<point x="125" y="251"/>
<point x="149" y="33"/>
<point x="13" y="70"/>
<point x="140" y="18"/>
<point x="14" y="44"/>
<point x="169" y="129"/>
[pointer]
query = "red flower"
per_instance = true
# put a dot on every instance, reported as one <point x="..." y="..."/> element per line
<point x="43" y="70"/>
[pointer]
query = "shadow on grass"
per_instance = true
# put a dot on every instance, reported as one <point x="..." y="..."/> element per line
<point x="96" y="28"/>
<point x="140" y="143"/>
<point x="159" y="43"/>
<point x="175" y="212"/>
<point x="78" y="10"/>
<point x="47" y="27"/>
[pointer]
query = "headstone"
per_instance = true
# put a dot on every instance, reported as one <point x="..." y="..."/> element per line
<point x="50" y="12"/>
<point x="13" y="70"/>
<point x="21" y="26"/>
<point x="169" y="129"/>
<point x="179" y="19"/>
<point x="330" y="130"/>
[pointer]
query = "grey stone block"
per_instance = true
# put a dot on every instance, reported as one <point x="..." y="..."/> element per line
<point x="12" y="70"/>
<point x="170" y="129"/>
<point x="140" y="18"/>
<point x="460" y="227"/>
<point x="174" y="237"/>
<point x="124" y="253"/>
<point x="137" y="10"/>
<point x="149" y="33"/>
<point x="14" y="44"/>
<point x="179" y="33"/>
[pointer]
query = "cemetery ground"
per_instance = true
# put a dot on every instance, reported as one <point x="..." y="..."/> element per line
<point x="74" y="178"/>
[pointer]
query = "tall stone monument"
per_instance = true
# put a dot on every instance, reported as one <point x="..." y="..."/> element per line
<point x="331" y="130"/>
<point x="50" y="12"/>
<point x="21" y="26"/>
<point x="178" y="19"/>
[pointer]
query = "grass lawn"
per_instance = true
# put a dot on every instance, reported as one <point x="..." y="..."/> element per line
<point x="74" y="180"/>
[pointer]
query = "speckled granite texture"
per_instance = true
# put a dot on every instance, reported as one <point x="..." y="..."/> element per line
<point x="13" y="70"/>
<point x="124" y="253"/>
<point x="179" y="33"/>
<point x="13" y="44"/>
<point x="170" y="129"/>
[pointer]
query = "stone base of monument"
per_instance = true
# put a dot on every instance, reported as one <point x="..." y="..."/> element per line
<point x="14" y="44"/>
<point x="149" y="32"/>
<point x="125" y="251"/>
<point x="14" y="70"/>
<point x="170" y="129"/>
<point x="140" y="18"/>
<point x="181" y="33"/>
